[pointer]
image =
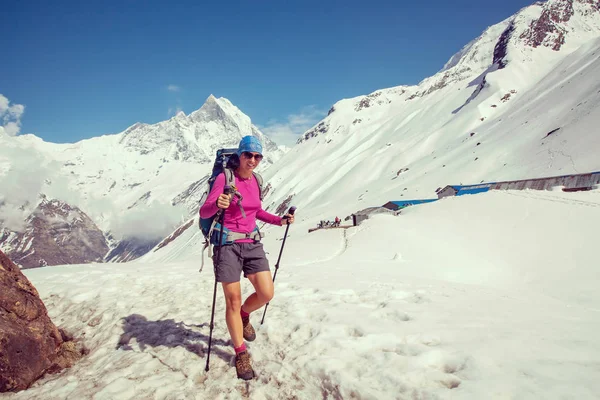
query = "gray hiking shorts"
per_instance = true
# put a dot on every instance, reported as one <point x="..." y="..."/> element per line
<point x="238" y="257"/>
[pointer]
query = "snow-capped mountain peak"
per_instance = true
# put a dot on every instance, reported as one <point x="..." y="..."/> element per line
<point x="136" y="185"/>
<point x="556" y="26"/>
<point x="196" y="137"/>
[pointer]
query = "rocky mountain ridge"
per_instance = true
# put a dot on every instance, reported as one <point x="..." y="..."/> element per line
<point x="55" y="233"/>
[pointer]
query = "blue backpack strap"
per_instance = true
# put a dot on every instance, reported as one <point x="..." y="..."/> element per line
<point x="259" y="180"/>
<point x="229" y="236"/>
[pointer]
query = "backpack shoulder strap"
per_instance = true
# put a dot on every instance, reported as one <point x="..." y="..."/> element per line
<point x="229" y="177"/>
<point x="259" y="180"/>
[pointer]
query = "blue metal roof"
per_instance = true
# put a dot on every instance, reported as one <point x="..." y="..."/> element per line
<point x="475" y="190"/>
<point x="405" y="203"/>
<point x="471" y="189"/>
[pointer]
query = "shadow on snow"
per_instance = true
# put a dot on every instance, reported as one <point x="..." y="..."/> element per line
<point x="169" y="333"/>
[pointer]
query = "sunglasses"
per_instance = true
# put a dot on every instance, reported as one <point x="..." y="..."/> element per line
<point x="250" y="156"/>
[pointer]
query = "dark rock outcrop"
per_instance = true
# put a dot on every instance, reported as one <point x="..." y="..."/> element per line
<point x="321" y="128"/>
<point x="549" y="29"/>
<point x="56" y="233"/>
<point x="30" y="344"/>
<point x="284" y="206"/>
<point x="500" y="50"/>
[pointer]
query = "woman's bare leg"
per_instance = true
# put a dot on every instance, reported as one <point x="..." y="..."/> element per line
<point x="263" y="286"/>
<point x="233" y="300"/>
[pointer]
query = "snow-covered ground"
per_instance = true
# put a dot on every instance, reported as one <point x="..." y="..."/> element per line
<point x="489" y="296"/>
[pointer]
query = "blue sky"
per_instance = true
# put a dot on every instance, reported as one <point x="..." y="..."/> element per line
<point x="84" y="69"/>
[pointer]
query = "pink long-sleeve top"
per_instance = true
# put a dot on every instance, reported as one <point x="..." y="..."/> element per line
<point x="234" y="220"/>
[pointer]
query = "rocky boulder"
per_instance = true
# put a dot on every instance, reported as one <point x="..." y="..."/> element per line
<point x="30" y="344"/>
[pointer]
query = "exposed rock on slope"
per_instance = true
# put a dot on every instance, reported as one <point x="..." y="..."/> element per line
<point x="56" y="233"/>
<point x="30" y="344"/>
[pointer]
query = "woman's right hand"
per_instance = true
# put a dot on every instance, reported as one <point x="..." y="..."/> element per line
<point x="223" y="201"/>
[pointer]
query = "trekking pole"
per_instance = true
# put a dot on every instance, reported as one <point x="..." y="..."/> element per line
<point x="221" y="219"/>
<point x="291" y="211"/>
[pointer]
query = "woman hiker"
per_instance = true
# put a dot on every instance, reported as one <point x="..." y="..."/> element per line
<point x="244" y="254"/>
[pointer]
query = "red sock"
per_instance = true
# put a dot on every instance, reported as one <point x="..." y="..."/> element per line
<point x="240" y="349"/>
<point x="243" y="313"/>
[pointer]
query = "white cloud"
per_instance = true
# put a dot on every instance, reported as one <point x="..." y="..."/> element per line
<point x="16" y="110"/>
<point x="287" y="132"/>
<point x="3" y="104"/>
<point x="10" y="117"/>
<point x="150" y="222"/>
<point x="28" y="174"/>
<point x="173" y="110"/>
<point x="11" y="128"/>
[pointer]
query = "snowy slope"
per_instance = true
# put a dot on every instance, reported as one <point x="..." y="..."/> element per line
<point x="484" y="117"/>
<point x="490" y="296"/>
<point x="395" y="145"/>
<point x="485" y="296"/>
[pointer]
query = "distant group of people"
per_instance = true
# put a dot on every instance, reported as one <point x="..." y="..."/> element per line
<point x="329" y="224"/>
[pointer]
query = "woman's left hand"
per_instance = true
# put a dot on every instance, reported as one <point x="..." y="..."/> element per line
<point x="287" y="219"/>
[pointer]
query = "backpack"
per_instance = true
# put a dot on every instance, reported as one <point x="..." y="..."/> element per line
<point x="210" y="226"/>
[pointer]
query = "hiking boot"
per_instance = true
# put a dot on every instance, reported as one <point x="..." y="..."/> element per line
<point x="243" y="366"/>
<point x="249" y="334"/>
